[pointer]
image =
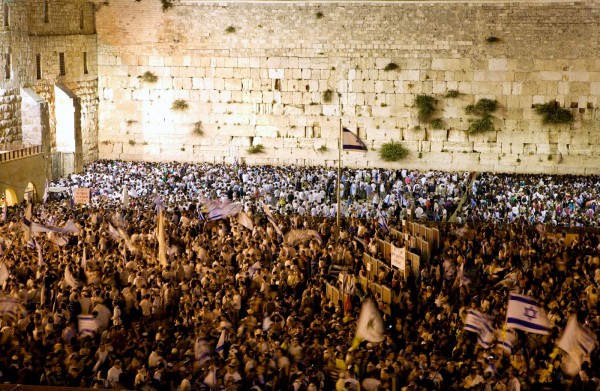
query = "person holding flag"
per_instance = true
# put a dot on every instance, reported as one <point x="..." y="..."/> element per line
<point x="369" y="326"/>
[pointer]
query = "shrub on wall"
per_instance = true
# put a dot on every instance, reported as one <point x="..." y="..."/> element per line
<point x="392" y="152"/>
<point x="426" y="106"/>
<point x="552" y="113"/>
<point x="437" y="123"/>
<point x="166" y="4"/>
<point x="148" y="77"/>
<point x="179" y="105"/>
<point x="327" y="96"/>
<point x="482" y="107"/>
<point x="481" y="125"/>
<point x="230" y="30"/>
<point x="452" y="94"/>
<point x="391" y="67"/>
<point x="258" y="148"/>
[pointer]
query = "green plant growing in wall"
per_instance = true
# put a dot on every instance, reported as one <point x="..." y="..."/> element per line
<point x="425" y="106"/>
<point x="166" y="4"/>
<point x="258" y="148"/>
<point x="437" y="123"/>
<point x="452" y="94"/>
<point x="322" y="148"/>
<point x="492" y="39"/>
<point x="392" y="66"/>
<point x="327" y="96"/>
<point x="230" y="30"/>
<point x="392" y="152"/>
<point x="482" y="107"/>
<point x="319" y="15"/>
<point x="148" y="77"/>
<point x="179" y="105"/>
<point x="481" y="125"/>
<point x="552" y="113"/>
<point x="132" y="142"/>
<point x="198" y="129"/>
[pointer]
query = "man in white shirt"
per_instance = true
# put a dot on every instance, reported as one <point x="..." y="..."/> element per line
<point x="114" y="373"/>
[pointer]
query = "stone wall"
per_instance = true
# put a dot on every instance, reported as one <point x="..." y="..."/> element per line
<point x="284" y="75"/>
<point x="38" y="36"/>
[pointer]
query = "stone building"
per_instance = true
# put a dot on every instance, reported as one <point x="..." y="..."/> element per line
<point x="204" y="81"/>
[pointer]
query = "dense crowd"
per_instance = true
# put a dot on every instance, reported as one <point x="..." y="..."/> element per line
<point x="240" y="309"/>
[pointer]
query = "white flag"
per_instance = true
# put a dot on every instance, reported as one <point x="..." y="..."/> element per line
<point x="351" y="142"/>
<point x="88" y="325"/>
<point x="221" y="343"/>
<point x="507" y="340"/>
<point x="482" y="325"/>
<point x="524" y="313"/>
<point x="70" y="279"/>
<point x="267" y="322"/>
<point x="578" y="343"/>
<point x="40" y="256"/>
<point x="201" y="350"/>
<point x="8" y="306"/>
<point x="245" y="221"/>
<point x="370" y="324"/>
<point x="272" y="220"/>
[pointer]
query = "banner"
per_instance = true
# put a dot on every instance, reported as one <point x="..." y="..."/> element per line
<point x="81" y="195"/>
<point x="399" y="258"/>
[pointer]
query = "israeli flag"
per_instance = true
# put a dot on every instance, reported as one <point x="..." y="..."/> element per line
<point x="507" y="340"/>
<point x="482" y="325"/>
<point x="352" y="142"/>
<point x="525" y="313"/>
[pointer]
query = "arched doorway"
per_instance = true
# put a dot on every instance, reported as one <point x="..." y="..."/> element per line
<point x="30" y="192"/>
<point x="10" y="196"/>
<point x="68" y="156"/>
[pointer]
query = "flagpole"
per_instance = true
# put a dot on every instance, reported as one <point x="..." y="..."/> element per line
<point x="339" y="181"/>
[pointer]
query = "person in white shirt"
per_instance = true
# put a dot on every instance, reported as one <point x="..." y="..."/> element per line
<point x="114" y="373"/>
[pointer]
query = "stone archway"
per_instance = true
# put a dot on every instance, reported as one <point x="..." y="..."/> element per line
<point x="10" y="195"/>
<point x="68" y="158"/>
<point x="30" y="192"/>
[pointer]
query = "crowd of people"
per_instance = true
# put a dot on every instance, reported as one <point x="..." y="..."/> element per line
<point x="241" y="309"/>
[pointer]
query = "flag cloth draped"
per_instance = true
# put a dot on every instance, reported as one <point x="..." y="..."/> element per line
<point x="351" y="142"/>
<point x="298" y="235"/>
<point x="272" y="220"/>
<point x="578" y="343"/>
<point x="201" y="350"/>
<point x="69" y="227"/>
<point x="87" y="325"/>
<point x="218" y="210"/>
<point x="70" y="279"/>
<point x="383" y="222"/>
<point x="223" y="339"/>
<point x="245" y="221"/>
<point x="507" y="340"/>
<point x="370" y="324"/>
<point x="482" y="325"/>
<point x="525" y="313"/>
<point x="39" y="252"/>
<point x="8" y="306"/>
